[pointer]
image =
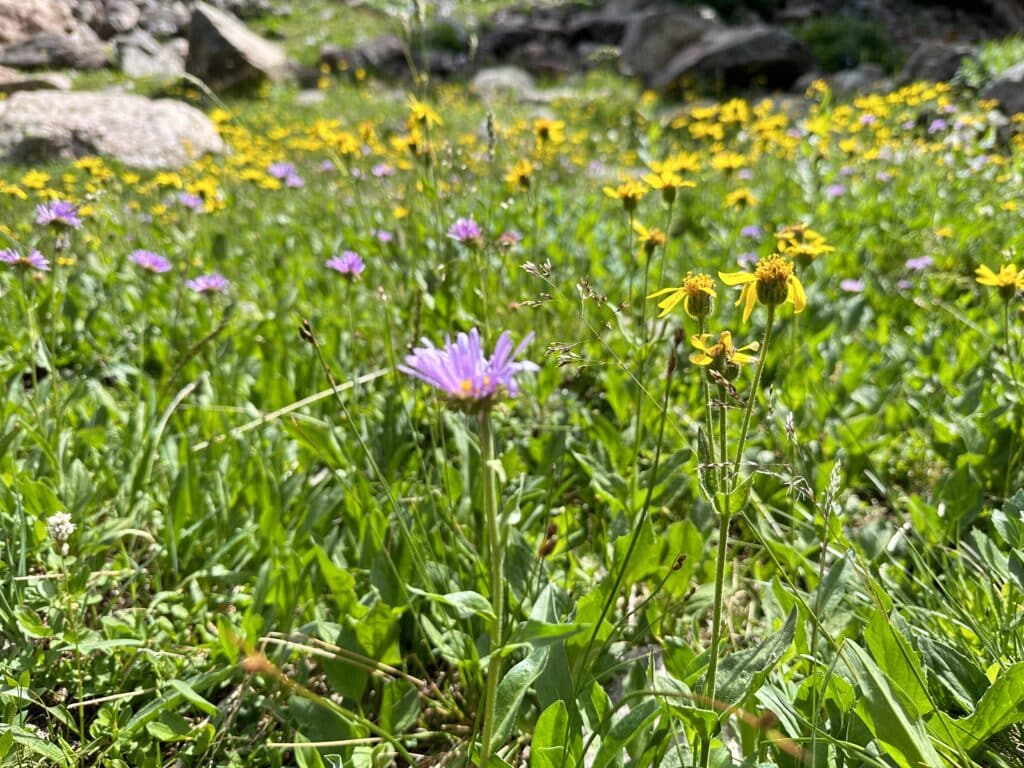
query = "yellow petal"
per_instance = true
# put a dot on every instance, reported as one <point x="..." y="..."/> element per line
<point x="699" y="358"/>
<point x="986" y="276"/>
<point x="736" y="278"/>
<point x="743" y="359"/>
<point x="663" y="291"/>
<point x="796" y="295"/>
<point x="669" y="304"/>
<point x="700" y="341"/>
<point x="749" y="295"/>
<point x="611" y="193"/>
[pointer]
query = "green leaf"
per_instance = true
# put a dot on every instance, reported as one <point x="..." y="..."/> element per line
<point x="193" y="698"/>
<point x="1001" y="706"/>
<point x="898" y="660"/>
<point x="466" y="603"/>
<point x="511" y="690"/>
<point x="896" y="724"/>
<point x="632" y="725"/>
<point x="1009" y="521"/>
<point x="170" y="727"/>
<point x="538" y="633"/>
<point x="743" y="672"/>
<point x="547" y="746"/>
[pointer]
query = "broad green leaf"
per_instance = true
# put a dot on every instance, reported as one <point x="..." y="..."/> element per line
<point x="1001" y="706"/>
<point x="193" y="698"/>
<point x="895" y="723"/>
<point x="547" y="745"/>
<point x="511" y="690"/>
<point x="466" y="603"/>
<point x="629" y="727"/>
<point x="898" y="660"/>
<point x="743" y="672"/>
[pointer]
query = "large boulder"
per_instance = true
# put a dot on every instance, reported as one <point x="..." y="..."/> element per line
<point x="933" y="62"/>
<point x="139" y="54"/>
<point x="225" y="54"/>
<point x="20" y="19"/>
<point x="756" y="55"/>
<point x="1008" y="90"/>
<point x="39" y="126"/>
<point x="52" y="50"/>
<point x="655" y="36"/>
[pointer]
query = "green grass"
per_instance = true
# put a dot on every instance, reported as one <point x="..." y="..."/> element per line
<point x="279" y="541"/>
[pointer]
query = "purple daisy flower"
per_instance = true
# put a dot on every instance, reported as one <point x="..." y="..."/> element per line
<point x="466" y="231"/>
<point x="748" y="259"/>
<point x="349" y="263"/>
<point x="852" y="286"/>
<point x="212" y="283"/>
<point x="35" y="260"/>
<point x="464" y="374"/>
<point x="904" y="285"/>
<point x="382" y="169"/>
<point x="919" y="263"/>
<point x="937" y="125"/>
<point x="509" y="238"/>
<point x="835" y="190"/>
<point x="59" y="213"/>
<point x="328" y="166"/>
<point x="382" y="235"/>
<point x="753" y="231"/>
<point x="150" y="261"/>
<point x="190" y="201"/>
<point x="281" y="170"/>
<point x="294" y="181"/>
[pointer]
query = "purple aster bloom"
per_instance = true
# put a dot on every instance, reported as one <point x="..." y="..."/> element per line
<point x="938" y="124"/>
<point x="883" y="176"/>
<point x="212" y="283"/>
<point x="382" y="169"/>
<point x="747" y="260"/>
<point x="154" y="262"/>
<point x="466" y="231"/>
<point x="59" y="213"/>
<point x="294" y="181"/>
<point x="596" y="168"/>
<point x="852" y="286"/>
<point x="382" y="235"/>
<point x="509" y="238"/>
<point x="904" y="285"/>
<point x="190" y="201"/>
<point x="349" y="264"/>
<point x="35" y="260"/>
<point x="753" y="231"/>
<point x="464" y="374"/>
<point x="919" y="263"/>
<point x="745" y="174"/>
<point x="281" y="170"/>
<point x="328" y="166"/>
<point x="868" y="119"/>
<point x="907" y="125"/>
<point x="846" y="171"/>
<point x="835" y="190"/>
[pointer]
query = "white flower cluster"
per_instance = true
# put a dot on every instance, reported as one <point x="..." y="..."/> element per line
<point x="60" y="528"/>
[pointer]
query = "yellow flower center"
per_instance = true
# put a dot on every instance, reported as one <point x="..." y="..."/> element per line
<point x="694" y="285"/>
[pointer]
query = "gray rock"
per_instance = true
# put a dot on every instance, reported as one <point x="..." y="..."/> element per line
<point x="654" y="37"/>
<point x="116" y="17"/>
<point x="164" y="19"/>
<point x="49" y="50"/>
<point x="933" y="62"/>
<point x="12" y="81"/>
<point x="1008" y="90"/>
<point x="46" y="125"/>
<point x="168" y="63"/>
<point x="226" y="54"/>
<point x="496" y="83"/>
<point x="865" y="78"/>
<point x="20" y="19"/>
<point x="758" y="55"/>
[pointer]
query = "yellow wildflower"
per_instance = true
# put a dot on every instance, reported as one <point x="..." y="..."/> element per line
<point x="422" y="113"/>
<point x="520" y="173"/>
<point x="649" y="239"/>
<point x="773" y="282"/>
<point x="549" y="131"/>
<point x="741" y="198"/>
<point x="696" y="294"/>
<point x="629" y="192"/>
<point x="722" y="356"/>
<point x="1008" y="279"/>
<point x="35" y="179"/>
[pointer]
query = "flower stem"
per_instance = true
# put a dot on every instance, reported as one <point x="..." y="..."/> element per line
<point x="724" y="518"/>
<point x="705" y="385"/>
<point x="755" y="386"/>
<point x="497" y="583"/>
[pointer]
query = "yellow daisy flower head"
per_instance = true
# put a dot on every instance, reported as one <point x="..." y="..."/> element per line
<point x="422" y="113"/>
<point x="549" y="131"/>
<point x="741" y="198"/>
<point x="1008" y="279"/>
<point x="649" y="238"/>
<point x="629" y="192"/>
<point x="773" y="282"/>
<point x="668" y="182"/>
<point x="697" y="293"/>
<point x="722" y="356"/>
<point x="801" y="243"/>
<point x="520" y="173"/>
